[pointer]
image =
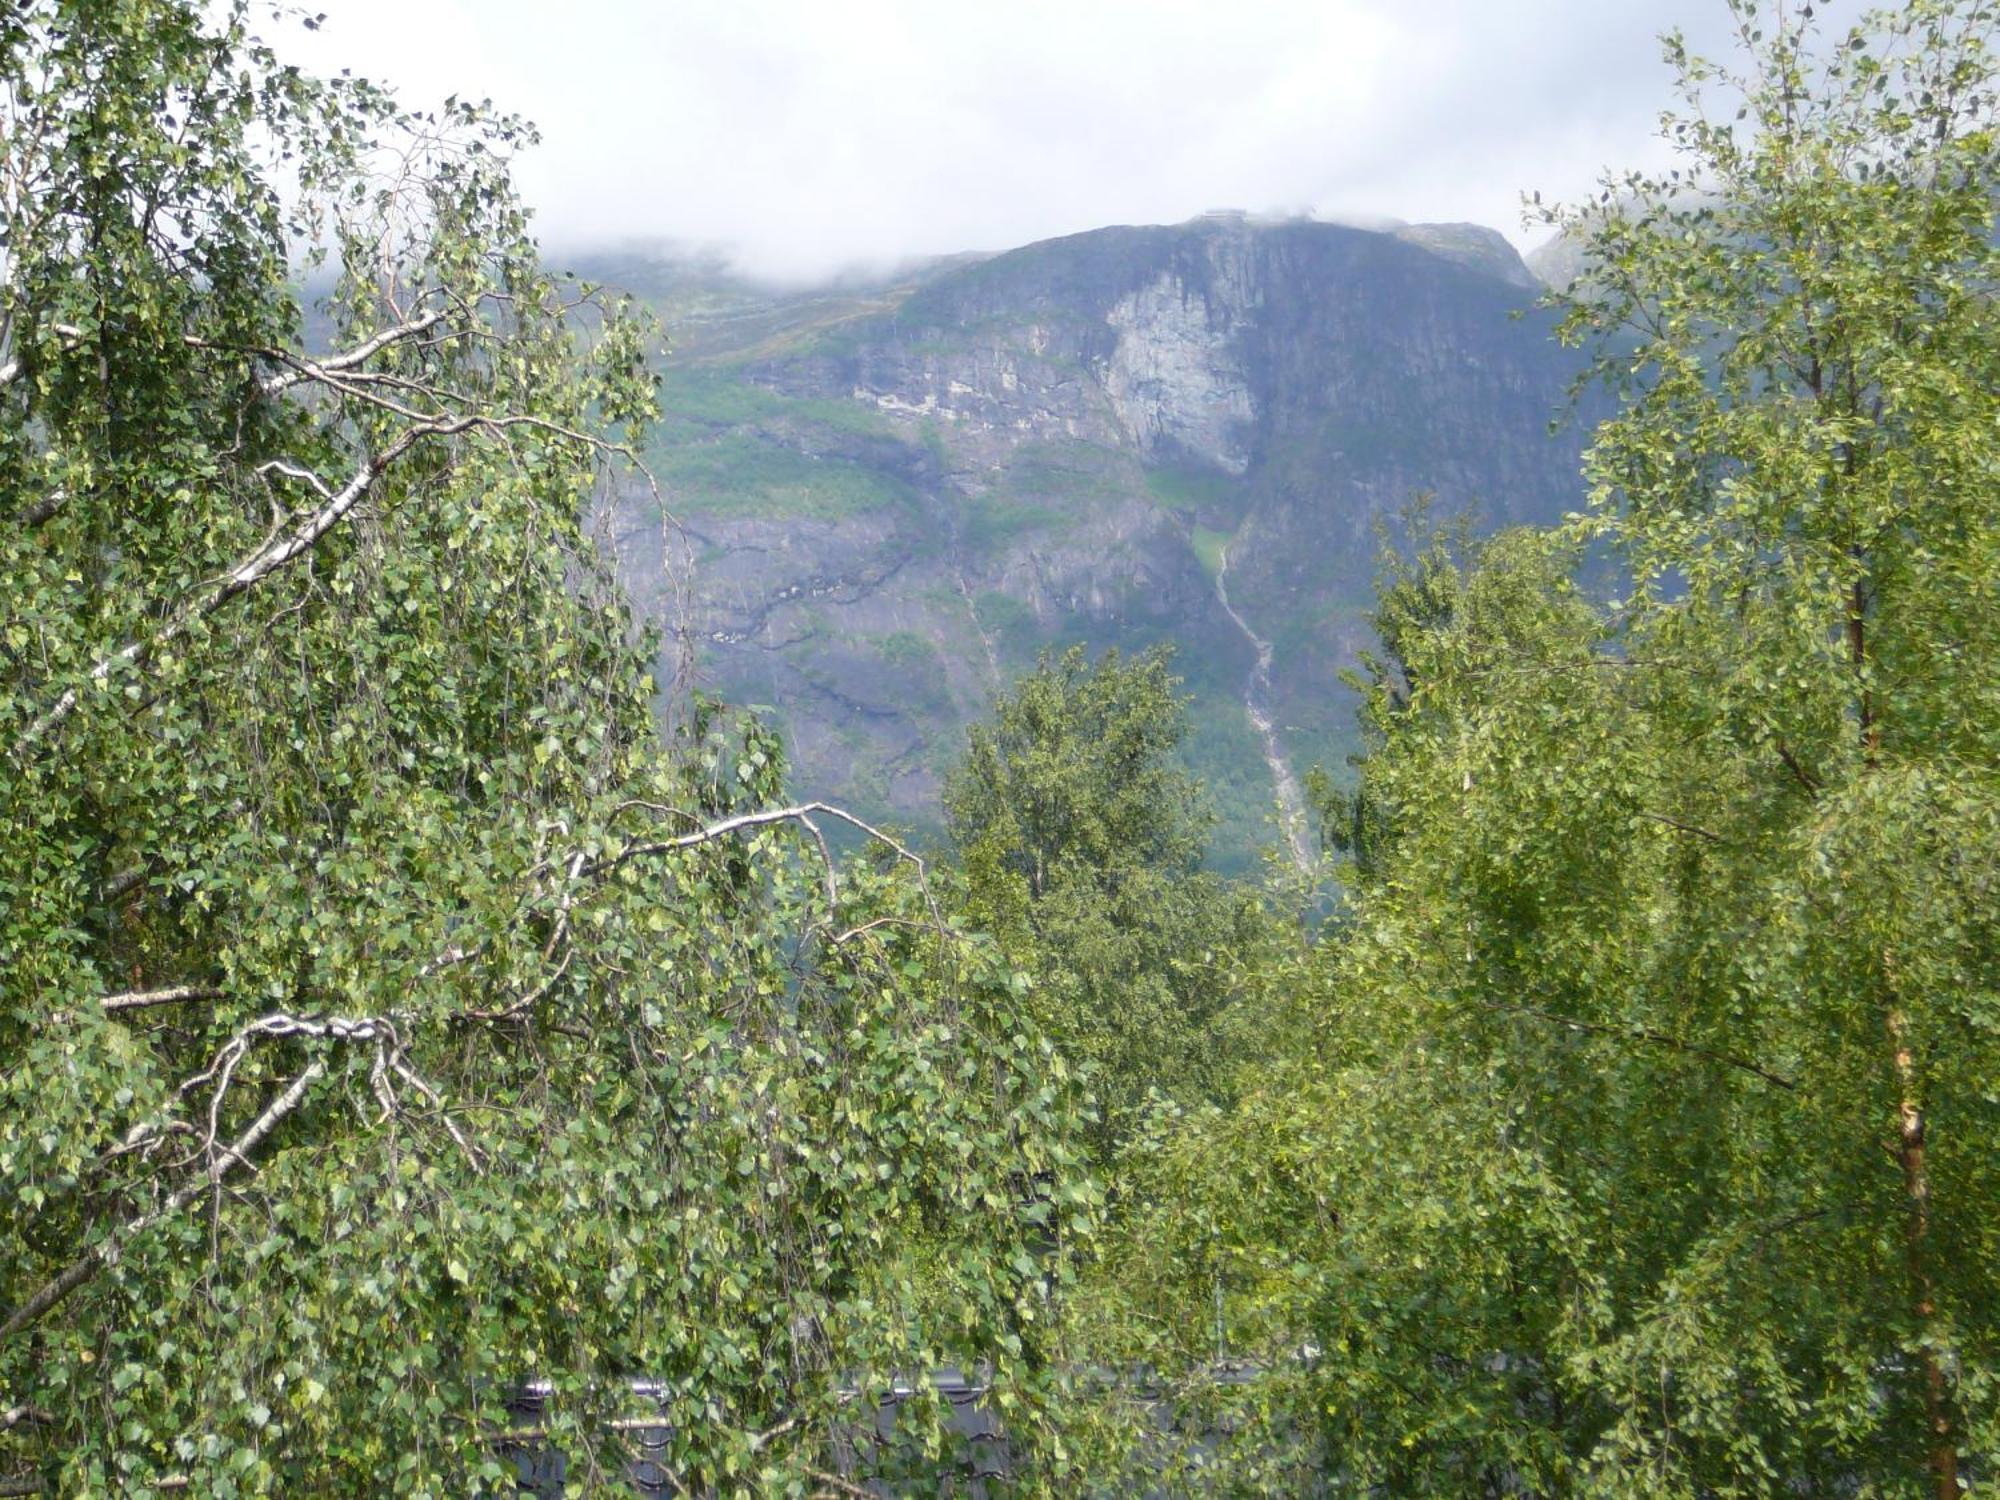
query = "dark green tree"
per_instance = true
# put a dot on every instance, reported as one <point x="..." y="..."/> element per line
<point x="1420" y="588"/>
<point x="1082" y="840"/>
<point x="388" y="1015"/>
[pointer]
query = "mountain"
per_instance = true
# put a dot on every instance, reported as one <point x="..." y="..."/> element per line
<point x="896" y="491"/>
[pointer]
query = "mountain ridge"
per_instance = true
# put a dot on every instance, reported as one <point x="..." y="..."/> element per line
<point x="898" y="490"/>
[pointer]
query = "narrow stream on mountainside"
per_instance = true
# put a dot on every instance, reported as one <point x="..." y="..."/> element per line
<point x="1257" y="703"/>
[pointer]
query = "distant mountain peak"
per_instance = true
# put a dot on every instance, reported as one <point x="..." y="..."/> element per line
<point x="898" y="491"/>
<point x="1474" y="246"/>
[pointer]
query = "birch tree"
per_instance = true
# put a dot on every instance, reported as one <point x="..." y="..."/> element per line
<point x="1636" y="1133"/>
<point x="389" y="1014"/>
<point x="1676" y="933"/>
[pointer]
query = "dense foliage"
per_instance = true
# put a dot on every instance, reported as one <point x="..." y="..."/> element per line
<point x="1634" y="1132"/>
<point x="389" y="1016"/>
<point x="1081" y="846"/>
<point x="1082" y="843"/>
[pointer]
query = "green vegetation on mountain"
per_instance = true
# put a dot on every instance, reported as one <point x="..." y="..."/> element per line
<point x="738" y="476"/>
<point x="1079" y="427"/>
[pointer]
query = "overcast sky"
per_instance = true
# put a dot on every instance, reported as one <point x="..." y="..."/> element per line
<point x="812" y="134"/>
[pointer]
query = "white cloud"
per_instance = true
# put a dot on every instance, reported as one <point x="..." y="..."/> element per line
<point x="811" y="134"/>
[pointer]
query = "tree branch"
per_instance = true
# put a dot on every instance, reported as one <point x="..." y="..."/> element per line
<point x="69" y="333"/>
<point x="1808" y="782"/>
<point x="801" y="813"/>
<point x="275" y="553"/>
<point x="267" y="559"/>
<point x="44" y="508"/>
<point x="122" y="884"/>
<point x="299" y="372"/>
<point x="106" y="1251"/>
<point x="1677" y="824"/>
<point x="178" y="994"/>
<point x="834" y="1485"/>
<point x="302" y="370"/>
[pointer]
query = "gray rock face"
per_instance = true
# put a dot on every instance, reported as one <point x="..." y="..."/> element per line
<point x="1477" y="248"/>
<point x="1175" y="376"/>
<point x="896" y="494"/>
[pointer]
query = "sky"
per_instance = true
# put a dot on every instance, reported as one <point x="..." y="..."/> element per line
<point x="804" y="137"/>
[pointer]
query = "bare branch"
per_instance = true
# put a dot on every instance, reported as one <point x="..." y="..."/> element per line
<point x="769" y="1435"/>
<point x="302" y="370"/>
<point x="177" y="995"/>
<point x="294" y="471"/>
<point x="801" y="813"/>
<point x="451" y="958"/>
<point x="123" y="883"/>
<point x="825" y="860"/>
<point x="1678" y="825"/>
<point x="833" y="1485"/>
<point x="69" y="333"/>
<point x="417" y="1081"/>
<point x="45" y="507"/>
<point x="838" y="938"/>
<point x="1808" y="782"/>
<point x="528" y="1001"/>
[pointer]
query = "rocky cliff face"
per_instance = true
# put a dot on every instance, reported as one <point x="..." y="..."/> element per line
<point x="896" y="494"/>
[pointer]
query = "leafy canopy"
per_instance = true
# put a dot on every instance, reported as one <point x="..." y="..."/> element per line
<point x="1637" y="1132"/>
<point x="1081" y="840"/>
<point x="389" y="1014"/>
